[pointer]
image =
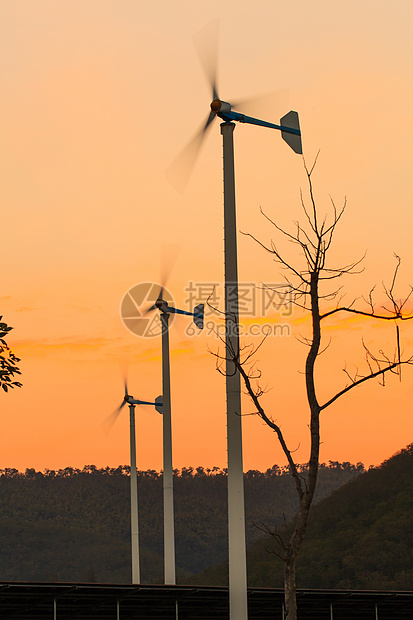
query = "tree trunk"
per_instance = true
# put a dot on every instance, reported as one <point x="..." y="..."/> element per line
<point x="306" y="497"/>
<point x="293" y="547"/>
<point x="290" y="594"/>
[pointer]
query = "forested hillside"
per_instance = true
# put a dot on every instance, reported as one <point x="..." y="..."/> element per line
<point x="74" y="525"/>
<point x="360" y="537"/>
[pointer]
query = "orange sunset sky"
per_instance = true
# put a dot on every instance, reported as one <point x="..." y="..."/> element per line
<point x="98" y="98"/>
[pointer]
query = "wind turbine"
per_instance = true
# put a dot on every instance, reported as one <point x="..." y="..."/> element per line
<point x="168" y="502"/>
<point x="132" y="402"/>
<point x="290" y="132"/>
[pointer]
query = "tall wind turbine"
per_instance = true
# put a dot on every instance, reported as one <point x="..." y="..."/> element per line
<point x="132" y="402"/>
<point x="168" y="502"/>
<point x="290" y="132"/>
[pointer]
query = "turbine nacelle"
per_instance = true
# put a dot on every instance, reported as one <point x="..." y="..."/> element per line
<point x="161" y="305"/>
<point x="130" y="400"/>
<point x="220" y="107"/>
<point x="197" y="314"/>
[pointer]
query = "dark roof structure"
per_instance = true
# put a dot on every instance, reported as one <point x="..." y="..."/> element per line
<point x="64" y="601"/>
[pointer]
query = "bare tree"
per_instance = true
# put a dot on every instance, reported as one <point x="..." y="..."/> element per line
<point x="306" y="286"/>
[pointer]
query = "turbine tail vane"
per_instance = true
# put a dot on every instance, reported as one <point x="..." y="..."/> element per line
<point x="159" y="404"/>
<point x="291" y="121"/>
<point x="199" y="316"/>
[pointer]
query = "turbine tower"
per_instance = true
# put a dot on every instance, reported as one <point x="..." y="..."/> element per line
<point x="207" y="45"/>
<point x="236" y="505"/>
<point x="168" y="502"/>
<point x="132" y="402"/>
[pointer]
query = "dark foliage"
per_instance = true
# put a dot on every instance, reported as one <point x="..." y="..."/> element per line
<point x="74" y="525"/>
<point x="8" y="361"/>
<point x="360" y="537"/>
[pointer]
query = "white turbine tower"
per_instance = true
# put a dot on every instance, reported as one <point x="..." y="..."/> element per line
<point x="207" y="46"/>
<point x="132" y="402"/>
<point x="168" y="502"/>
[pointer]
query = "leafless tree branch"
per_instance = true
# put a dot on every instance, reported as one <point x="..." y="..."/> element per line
<point x="310" y="286"/>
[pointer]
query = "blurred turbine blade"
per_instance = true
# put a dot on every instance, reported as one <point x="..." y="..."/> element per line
<point x="123" y="364"/>
<point x="111" y="419"/>
<point x="206" y="42"/>
<point x="263" y="106"/>
<point x="180" y="170"/>
<point x="169" y="254"/>
<point x="130" y="308"/>
<point x="155" y="293"/>
<point x="150" y="309"/>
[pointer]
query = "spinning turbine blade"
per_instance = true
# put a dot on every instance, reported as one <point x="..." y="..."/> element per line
<point x="148" y="310"/>
<point x="180" y="170"/>
<point x="169" y="254"/>
<point x="206" y="42"/>
<point x="130" y="307"/>
<point x="155" y="294"/>
<point x="262" y="106"/>
<point x="125" y="383"/>
<point x="111" y="419"/>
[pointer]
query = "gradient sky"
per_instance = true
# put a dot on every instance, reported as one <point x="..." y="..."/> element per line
<point x="98" y="98"/>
